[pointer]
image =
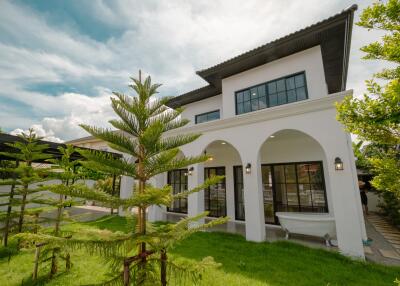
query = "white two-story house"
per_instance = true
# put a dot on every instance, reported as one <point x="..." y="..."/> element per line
<point x="268" y="121"/>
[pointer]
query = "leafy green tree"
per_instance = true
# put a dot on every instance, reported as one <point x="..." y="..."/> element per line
<point x="375" y="117"/>
<point x="26" y="151"/>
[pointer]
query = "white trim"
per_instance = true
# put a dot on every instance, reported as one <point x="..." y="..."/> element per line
<point x="285" y="110"/>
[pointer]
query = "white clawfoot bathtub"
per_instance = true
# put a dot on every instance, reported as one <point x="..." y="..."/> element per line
<point x="314" y="224"/>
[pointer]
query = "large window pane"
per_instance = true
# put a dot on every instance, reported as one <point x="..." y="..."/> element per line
<point x="262" y="102"/>
<point x="294" y="187"/>
<point x="280" y="85"/>
<point x="281" y="98"/>
<point x="290" y="174"/>
<point x="240" y="108"/>
<point x="291" y="96"/>
<point x="301" y="93"/>
<point x="261" y="90"/>
<point x="177" y="179"/>
<point x="299" y="79"/>
<point x="247" y="106"/>
<point x="212" y="115"/>
<point x="239" y="97"/>
<point x="246" y="95"/>
<point x="272" y="87"/>
<point x="280" y="91"/>
<point x="290" y="83"/>
<point x="273" y="100"/>
<point x="254" y="104"/>
<point x="215" y="195"/>
<point x="253" y="93"/>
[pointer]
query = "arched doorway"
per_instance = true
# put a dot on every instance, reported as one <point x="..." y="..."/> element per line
<point x="293" y="174"/>
<point x="226" y="197"/>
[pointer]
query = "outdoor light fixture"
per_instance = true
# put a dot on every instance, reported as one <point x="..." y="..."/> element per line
<point x="191" y="169"/>
<point x="338" y="164"/>
<point x="223" y="143"/>
<point x="272" y="136"/>
<point x="248" y="168"/>
<point x="209" y="158"/>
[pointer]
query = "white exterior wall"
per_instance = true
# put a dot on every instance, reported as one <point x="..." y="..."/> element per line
<point x="321" y="138"/>
<point x="309" y="61"/>
<point x="202" y="106"/>
<point x="315" y="118"/>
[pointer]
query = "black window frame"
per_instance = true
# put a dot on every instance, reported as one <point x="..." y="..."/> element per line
<point x="196" y="121"/>
<point x="179" y="209"/>
<point x="267" y="94"/>
<point x="207" y="192"/>
<point x="278" y="207"/>
<point x="238" y="185"/>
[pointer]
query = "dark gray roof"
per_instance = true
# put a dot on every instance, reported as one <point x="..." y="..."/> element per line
<point x="332" y="34"/>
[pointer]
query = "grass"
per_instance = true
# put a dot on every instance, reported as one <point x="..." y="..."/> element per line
<point x="243" y="263"/>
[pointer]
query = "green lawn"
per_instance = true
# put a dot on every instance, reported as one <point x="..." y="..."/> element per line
<point x="243" y="263"/>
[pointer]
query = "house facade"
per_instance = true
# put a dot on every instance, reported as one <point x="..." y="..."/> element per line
<point x="268" y="122"/>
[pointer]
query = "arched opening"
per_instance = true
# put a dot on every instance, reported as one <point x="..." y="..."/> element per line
<point x="226" y="197"/>
<point x="293" y="174"/>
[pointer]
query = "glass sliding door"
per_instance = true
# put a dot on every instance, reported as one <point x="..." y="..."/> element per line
<point x="215" y="195"/>
<point x="293" y="187"/>
<point x="179" y="183"/>
<point x="239" y="196"/>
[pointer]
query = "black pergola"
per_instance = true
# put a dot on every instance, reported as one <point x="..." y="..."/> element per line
<point x="53" y="148"/>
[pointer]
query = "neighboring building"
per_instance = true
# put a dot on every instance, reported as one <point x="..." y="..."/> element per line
<point x="268" y="120"/>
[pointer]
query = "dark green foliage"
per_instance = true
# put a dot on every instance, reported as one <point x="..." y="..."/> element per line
<point x="22" y="190"/>
<point x="140" y="131"/>
<point x="375" y="118"/>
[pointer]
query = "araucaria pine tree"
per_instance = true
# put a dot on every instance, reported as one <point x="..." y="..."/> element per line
<point x="63" y="169"/>
<point x="140" y="257"/>
<point x="25" y="152"/>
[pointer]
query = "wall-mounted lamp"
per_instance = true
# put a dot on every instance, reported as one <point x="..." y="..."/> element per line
<point x="248" y="168"/>
<point x="210" y="158"/>
<point x="191" y="169"/>
<point x="338" y="164"/>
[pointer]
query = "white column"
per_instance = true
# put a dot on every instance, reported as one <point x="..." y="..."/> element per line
<point x="196" y="200"/>
<point x="253" y="198"/>
<point x="346" y="200"/>
<point x="127" y="186"/>
<point x="355" y="182"/>
<point x="157" y="213"/>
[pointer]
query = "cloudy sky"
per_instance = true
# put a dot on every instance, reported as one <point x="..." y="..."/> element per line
<point x="60" y="60"/>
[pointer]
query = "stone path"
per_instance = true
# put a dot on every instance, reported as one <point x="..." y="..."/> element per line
<point x="385" y="247"/>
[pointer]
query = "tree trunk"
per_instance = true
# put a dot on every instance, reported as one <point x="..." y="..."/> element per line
<point x="126" y="273"/>
<point x="8" y="217"/>
<point x="54" y="268"/>
<point x="163" y="259"/>
<point x="36" y="267"/>
<point x="22" y="212"/>
<point x="112" y="192"/>
<point x="68" y="261"/>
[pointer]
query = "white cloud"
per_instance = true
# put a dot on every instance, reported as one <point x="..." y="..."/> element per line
<point x="40" y="131"/>
<point x="168" y="39"/>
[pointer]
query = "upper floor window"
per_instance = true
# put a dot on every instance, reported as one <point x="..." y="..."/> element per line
<point x="280" y="91"/>
<point x="208" y="116"/>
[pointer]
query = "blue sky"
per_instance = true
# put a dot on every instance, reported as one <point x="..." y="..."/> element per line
<point x="60" y="60"/>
